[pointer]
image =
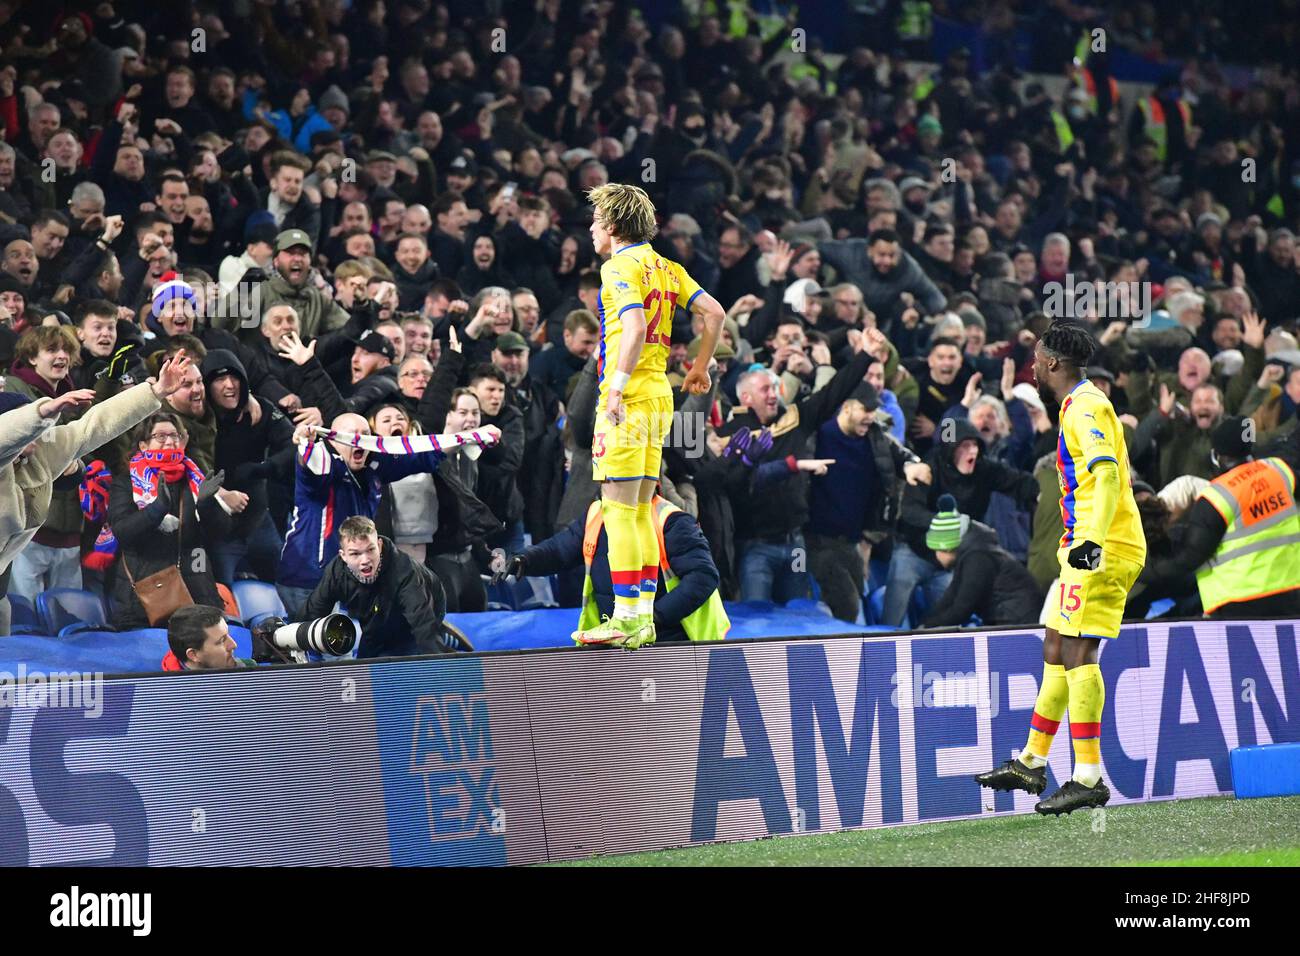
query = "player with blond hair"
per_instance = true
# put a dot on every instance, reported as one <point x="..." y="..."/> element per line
<point x="640" y="291"/>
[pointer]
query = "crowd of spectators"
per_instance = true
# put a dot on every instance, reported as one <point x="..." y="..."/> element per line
<point x="372" y="216"/>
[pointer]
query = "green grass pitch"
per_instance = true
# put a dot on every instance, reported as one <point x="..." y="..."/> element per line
<point x="1214" y="831"/>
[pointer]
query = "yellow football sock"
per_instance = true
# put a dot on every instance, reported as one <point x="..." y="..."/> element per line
<point x="621" y="528"/>
<point x="1087" y="700"/>
<point x="1053" y="695"/>
<point x="645" y="524"/>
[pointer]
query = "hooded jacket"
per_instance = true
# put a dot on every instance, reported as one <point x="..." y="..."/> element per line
<point x="986" y="581"/>
<point x="249" y="453"/>
<point x="972" y="492"/>
<point x="400" y="612"/>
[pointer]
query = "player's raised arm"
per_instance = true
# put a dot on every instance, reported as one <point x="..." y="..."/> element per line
<point x="697" y="379"/>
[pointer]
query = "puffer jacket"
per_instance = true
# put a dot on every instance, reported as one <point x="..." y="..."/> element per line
<point x="986" y="581"/>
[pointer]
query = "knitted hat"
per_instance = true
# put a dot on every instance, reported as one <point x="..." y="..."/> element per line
<point x="1233" y="438"/>
<point x="948" y="527"/>
<point x="334" y="98"/>
<point x="171" y="286"/>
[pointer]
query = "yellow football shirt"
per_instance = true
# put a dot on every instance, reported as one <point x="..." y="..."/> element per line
<point x="1090" y="433"/>
<point x="636" y="276"/>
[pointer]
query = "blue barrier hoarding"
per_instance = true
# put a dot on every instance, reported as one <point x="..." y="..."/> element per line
<point x="519" y="758"/>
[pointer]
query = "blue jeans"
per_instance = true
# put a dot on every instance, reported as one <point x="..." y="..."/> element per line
<point x="39" y="567"/>
<point x="767" y="570"/>
<point x="907" y="571"/>
<point x="294" y="599"/>
<point x="261" y="548"/>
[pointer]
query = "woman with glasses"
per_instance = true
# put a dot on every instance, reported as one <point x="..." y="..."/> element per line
<point x="164" y="511"/>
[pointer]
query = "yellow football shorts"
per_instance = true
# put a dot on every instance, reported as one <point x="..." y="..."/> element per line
<point x="1091" y="603"/>
<point x="634" y="448"/>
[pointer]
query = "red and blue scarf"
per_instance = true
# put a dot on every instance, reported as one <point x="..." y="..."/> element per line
<point x="94" y="504"/>
<point x="149" y="468"/>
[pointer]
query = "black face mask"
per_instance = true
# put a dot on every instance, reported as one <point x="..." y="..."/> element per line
<point x="695" y="134"/>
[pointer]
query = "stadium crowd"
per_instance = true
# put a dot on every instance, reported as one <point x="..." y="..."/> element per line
<point x="372" y="217"/>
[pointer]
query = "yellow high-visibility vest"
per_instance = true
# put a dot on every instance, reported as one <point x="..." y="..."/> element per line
<point x="1259" y="554"/>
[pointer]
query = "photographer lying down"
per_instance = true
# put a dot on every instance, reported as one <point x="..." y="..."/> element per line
<point x="399" y="604"/>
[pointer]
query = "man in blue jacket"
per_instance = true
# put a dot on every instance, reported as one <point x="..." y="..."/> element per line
<point x="334" y="482"/>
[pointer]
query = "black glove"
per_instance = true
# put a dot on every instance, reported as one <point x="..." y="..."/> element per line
<point x="1085" y="556"/>
<point x="512" y="568"/>
<point x="210" y="486"/>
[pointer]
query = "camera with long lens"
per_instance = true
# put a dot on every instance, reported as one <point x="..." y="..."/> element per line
<point x="334" y="635"/>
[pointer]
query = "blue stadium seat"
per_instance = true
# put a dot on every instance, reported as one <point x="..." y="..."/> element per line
<point x="534" y="592"/>
<point x="876" y="606"/>
<point x="23" y="618"/>
<point x="809" y="604"/>
<point x="500" y="597"/>
<point x="60" y="607"/>
<point x="257" y="599"/>
<point x="918" y="607"/>
<point x="877" y="574"/>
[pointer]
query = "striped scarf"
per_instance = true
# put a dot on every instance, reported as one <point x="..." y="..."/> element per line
<point x="147" y="469"/>
<point x="94" y="504"/>
<point x="472" y="441"/>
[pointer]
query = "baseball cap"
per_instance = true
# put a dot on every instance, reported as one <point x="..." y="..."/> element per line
<point x="381" y="156"/>
<point x="376" y="343"/>
<point x="801" y="289"/>
<point x="511" y="342"/>
<point x="720" y="352"/>
<point x="1098" y="371"/>
<point x="290" y="238"/>
<point x="462" y="166"/>
<point x="866" y="393"/>
<point x="948" y="527"/>
<point x="1029" y="395"/>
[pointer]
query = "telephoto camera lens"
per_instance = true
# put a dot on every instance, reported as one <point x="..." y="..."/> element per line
<point x="333" y="635"/>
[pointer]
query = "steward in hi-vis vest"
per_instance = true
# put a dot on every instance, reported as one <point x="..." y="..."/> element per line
<point x="1242" y="533"/>
<point x="687" y="603"/>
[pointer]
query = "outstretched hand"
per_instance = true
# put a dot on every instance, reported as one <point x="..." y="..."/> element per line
<point x="75" y="399"/>
<point x="172" y="375"/>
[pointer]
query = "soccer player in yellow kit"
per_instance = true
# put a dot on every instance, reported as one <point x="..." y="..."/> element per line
<point x="640" y="290"/>
<point x="1101" y="554"/>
